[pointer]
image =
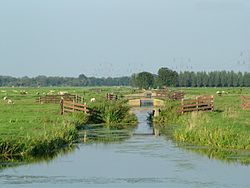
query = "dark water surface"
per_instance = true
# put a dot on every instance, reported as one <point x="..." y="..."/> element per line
<point x="141" y="161"/>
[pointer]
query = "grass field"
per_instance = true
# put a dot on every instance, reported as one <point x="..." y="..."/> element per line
<point x="228" y="127"/>
<point x="29" y="128"/>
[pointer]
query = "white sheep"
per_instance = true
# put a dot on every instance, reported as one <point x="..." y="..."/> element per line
<point x="51" y="92"/>
<point x="92" y="100"/>
<point x="10" y="101"/>
<point x="5" y="98"/>
<point x="23" y="92"/>
<point x="62" y="92"/>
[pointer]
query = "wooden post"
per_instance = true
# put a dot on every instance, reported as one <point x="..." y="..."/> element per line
<point x="182" y="104"/>
<point x="85" y="108"/>
<point x="212" y="102"/>
<point x="62" y="107"/>
<point x="197" y="104"/>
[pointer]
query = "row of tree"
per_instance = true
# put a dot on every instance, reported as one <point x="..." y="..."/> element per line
<point x="213" y="79"/>
<point x="164" y="77"/>
<point x="167" y="77"/>
<point x="80" y="81"/>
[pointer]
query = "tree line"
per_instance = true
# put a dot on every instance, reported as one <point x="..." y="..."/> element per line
<point x="167" y="77"/>
<point x="164" y="77"/>
<point x="80" y="81"/>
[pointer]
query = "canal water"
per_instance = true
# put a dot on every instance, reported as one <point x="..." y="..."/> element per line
<point x="143" y="160"/>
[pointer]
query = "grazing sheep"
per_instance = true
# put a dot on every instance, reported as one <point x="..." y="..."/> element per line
<point x="219" y="93"/>
<point x="62" y="92"/>
<point x="23" y="92"/>
<point x="51" y="92"/>
<point x="92" y="100"/>
<point x="5" y="98"/>
<point x="10" y="101"/>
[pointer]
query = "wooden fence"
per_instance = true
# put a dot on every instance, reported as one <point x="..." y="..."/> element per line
<point x="162" y="93"/>
<point x="178" y="95"/>
<point x="111" y="96"/>
<point x="71" y="106"/>
<point x="203" y="103"/>
<point x="55" y="99"/>
<point x="245" y="102"/>
<point x="165" y="93"/>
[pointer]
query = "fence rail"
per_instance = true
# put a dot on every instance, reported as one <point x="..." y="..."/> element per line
<point x="203" y="103"/>
<point x="165" y="93"/>
<point x="111" y="96"/>
<point x="55" y="99"/>
<point x="71" y="106"/>
<point x="245" y="102"/>
<point x="178" y="95"/>
<point x="162" y="93"/>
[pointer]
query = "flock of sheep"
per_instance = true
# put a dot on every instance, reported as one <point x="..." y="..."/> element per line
<point x="8" y="100"/>
<point x="51" y="92"/>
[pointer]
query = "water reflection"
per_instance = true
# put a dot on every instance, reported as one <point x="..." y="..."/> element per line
<point x="103" y="134"/>
<point x="228" y="156"/>
<point x="7" y="162"/>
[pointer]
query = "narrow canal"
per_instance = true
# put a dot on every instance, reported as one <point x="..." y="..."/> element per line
<point x="143" y="160"/>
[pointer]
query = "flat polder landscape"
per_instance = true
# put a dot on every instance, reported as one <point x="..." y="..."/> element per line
<point x="125" y="93"/>
<point x="41" y="147"/>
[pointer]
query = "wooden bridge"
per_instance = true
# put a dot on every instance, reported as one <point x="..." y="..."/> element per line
<point x="155" y="97"/>
<point x="145" y="102"/>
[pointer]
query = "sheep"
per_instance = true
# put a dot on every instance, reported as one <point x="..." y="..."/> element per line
<point x="51" y="92"/>
<point x="62" y="92"/>
<point x="5" y="98"/>
<point x="92" y="100"/>
<point x="219" y="93"/>
<point x="23" y="92"/>
<point x="10" y="101"/>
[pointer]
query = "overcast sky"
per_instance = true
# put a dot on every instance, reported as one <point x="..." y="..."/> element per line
<point x="120" y="37"/>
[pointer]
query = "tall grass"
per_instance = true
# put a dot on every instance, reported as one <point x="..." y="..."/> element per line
<point x="228" y="127"/>
<point x="113" y="113"/>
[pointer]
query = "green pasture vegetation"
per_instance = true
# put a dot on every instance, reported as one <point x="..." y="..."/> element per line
<point x="31" y="129"/>
<point x="228" y="127"/>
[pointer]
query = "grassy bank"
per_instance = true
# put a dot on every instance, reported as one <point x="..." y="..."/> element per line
<point x="31" y="129"/>
<point x="228" y="127"/>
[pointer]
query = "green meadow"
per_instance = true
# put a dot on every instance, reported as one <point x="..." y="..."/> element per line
<point x="228" y="127"/>
<point x="33" y="129"/>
